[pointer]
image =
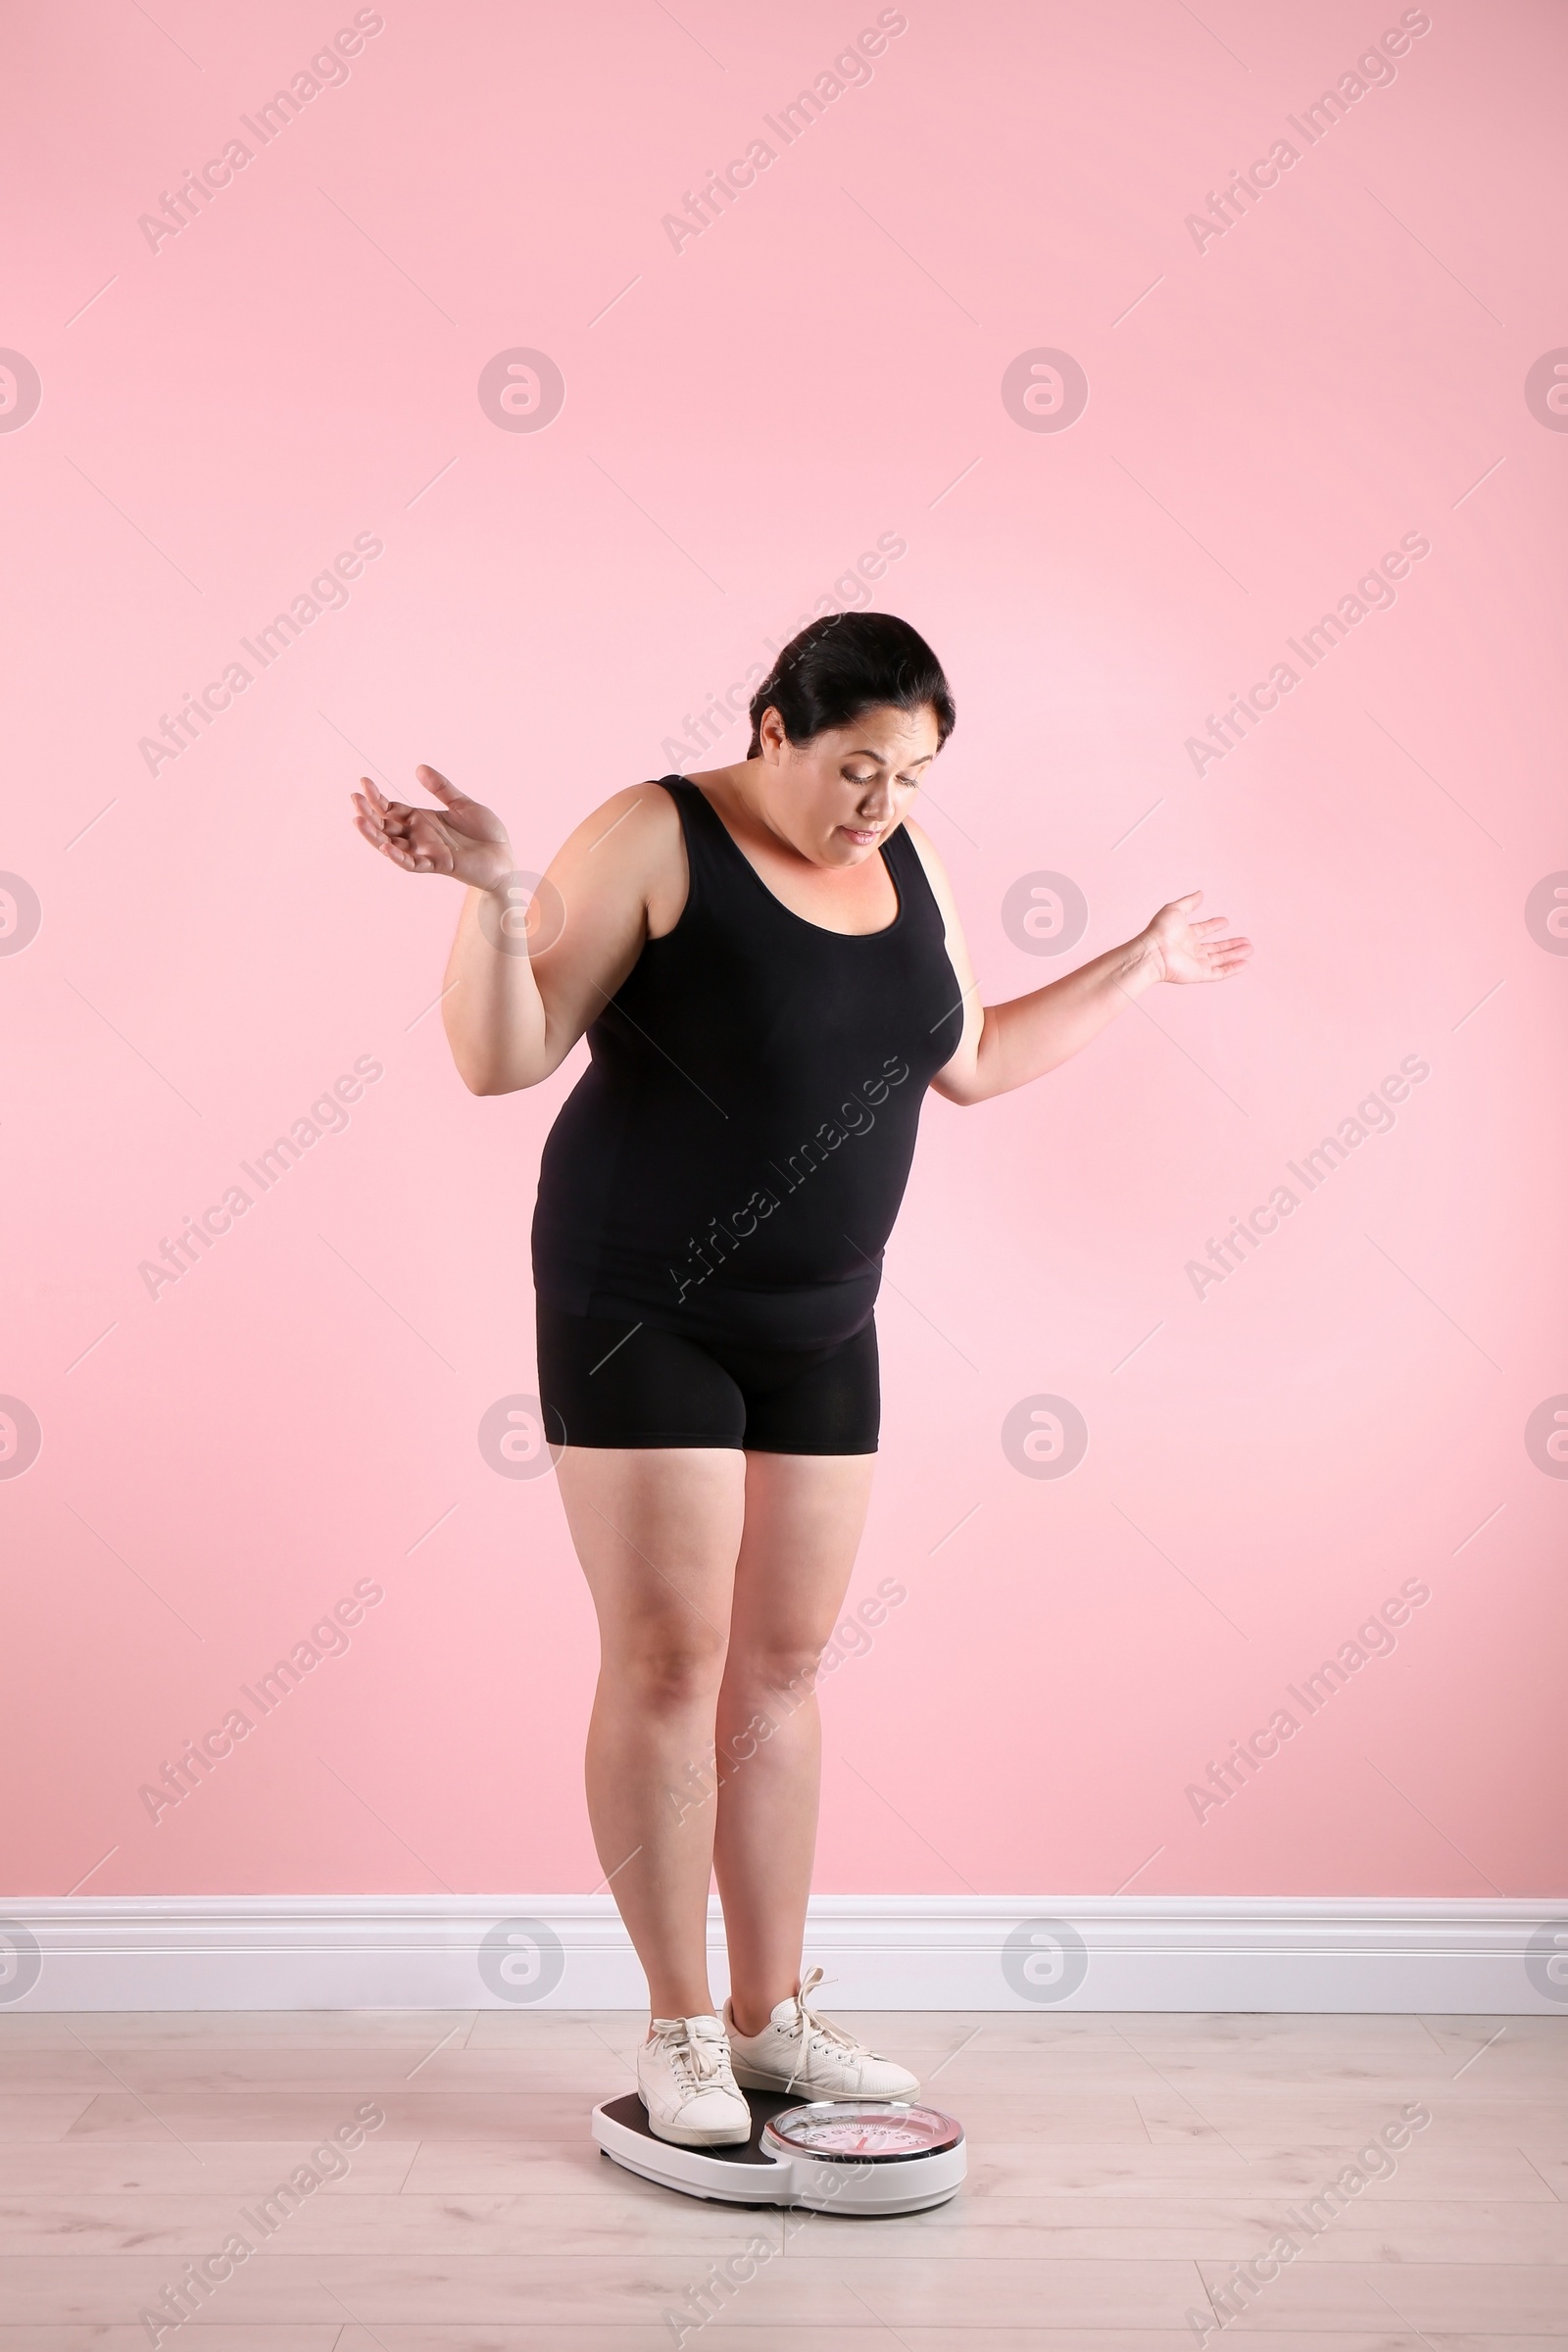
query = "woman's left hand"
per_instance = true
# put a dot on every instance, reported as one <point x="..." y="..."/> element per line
<point x="1185" y="949"/>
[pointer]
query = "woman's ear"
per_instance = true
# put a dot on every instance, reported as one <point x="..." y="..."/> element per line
<point x="771" y="737"/>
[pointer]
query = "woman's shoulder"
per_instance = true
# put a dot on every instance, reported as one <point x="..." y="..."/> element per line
<point x="637" y="816"/>
<point x="626" y="855"/>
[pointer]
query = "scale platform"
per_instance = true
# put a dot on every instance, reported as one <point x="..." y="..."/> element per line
<point x="857" y="2156"/>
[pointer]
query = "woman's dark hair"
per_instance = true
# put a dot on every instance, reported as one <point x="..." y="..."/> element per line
<point x="848" y="664"/>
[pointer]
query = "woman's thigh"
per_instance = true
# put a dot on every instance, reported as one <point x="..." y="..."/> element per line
<point x="673" y="1522"/>
<point x="804" y="1515"/>
<point x="657" y="1530"/>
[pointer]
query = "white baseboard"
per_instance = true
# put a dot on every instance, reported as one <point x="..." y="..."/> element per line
<point x="942" y="1952"/>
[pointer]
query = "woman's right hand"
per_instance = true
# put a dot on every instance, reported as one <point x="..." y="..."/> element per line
<point x="518" y="994"/>
<point x="459" y="838"/>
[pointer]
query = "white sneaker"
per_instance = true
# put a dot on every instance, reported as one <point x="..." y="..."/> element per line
<point x="797" y="2051"/>
<point x="685" y="2082"/>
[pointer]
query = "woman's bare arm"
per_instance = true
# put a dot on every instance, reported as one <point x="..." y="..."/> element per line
<point x="1004" y="1046"/>
<point x="529" y="969"/>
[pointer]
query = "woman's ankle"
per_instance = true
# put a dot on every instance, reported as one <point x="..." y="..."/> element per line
<point x="689" y="2005"/>
<point x="750" y="2017"/>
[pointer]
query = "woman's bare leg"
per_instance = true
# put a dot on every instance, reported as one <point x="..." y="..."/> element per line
<point x="657" y="1530"/>
<point x="803" y="1518"/>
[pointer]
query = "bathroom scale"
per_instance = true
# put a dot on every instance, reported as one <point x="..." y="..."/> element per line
<point x="857" y="2156"/>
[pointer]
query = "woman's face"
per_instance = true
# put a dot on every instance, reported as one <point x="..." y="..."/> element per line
<point x="839" y="797"/>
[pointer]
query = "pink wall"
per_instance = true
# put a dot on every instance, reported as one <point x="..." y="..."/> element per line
<point x="1270" y="410"/>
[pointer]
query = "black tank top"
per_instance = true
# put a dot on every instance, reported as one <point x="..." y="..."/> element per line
<point x="732" y="1160"/>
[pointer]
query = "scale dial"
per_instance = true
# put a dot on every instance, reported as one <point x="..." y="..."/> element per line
<point x="864" y="2131"/>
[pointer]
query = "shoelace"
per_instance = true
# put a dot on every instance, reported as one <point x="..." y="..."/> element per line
<point x="812" y="2028"/>
<point x="696" y="2060"/>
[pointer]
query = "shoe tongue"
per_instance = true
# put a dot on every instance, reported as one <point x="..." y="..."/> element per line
<point x="706" y="2028"/>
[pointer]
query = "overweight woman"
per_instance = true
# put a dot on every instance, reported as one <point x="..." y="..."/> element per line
<point x="768" y="967"/>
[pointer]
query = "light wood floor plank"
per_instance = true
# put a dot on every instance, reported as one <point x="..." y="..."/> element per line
<point x="1122" y="2168"/>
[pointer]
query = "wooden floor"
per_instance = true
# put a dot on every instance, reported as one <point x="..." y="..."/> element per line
<point x="1120" y="2168"/>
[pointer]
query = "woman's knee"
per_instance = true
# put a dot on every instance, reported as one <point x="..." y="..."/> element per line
<point x="775" y="1677"/>
<point x="667" y="1673"/>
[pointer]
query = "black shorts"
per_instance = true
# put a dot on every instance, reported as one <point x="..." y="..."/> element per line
<point x="617" y="1383"/>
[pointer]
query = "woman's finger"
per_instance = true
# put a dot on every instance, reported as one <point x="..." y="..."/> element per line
<point x="430" y="846"/>
<point x="434" y="781"/>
